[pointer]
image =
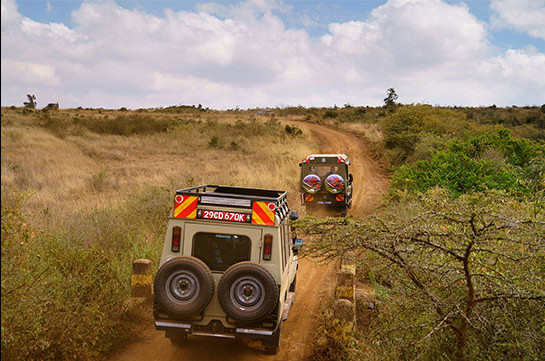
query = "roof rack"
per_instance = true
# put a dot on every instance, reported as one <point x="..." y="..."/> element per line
<point x="322" y="158"/>
<point x="234" y="204"/>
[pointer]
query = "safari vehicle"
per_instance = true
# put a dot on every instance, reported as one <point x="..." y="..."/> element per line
<point x="228" y="267"/>
<point x="326" y="182"/>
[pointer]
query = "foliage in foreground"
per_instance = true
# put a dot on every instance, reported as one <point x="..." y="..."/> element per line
<point x="465" y="276"/>
<point x="63" y="290"/>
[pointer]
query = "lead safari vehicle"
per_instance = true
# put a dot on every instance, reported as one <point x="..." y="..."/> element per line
<point x="228" y="267"/>
<point x="326" y="183"/>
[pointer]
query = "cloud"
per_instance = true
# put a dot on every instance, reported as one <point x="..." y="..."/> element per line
<point x="244" y="54"/>
<point x="522" y="15"/>
<point x="412" y="34"/>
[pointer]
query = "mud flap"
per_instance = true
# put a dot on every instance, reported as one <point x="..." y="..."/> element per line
<point x="287" y="306"/>
<point x="272" y="343"/>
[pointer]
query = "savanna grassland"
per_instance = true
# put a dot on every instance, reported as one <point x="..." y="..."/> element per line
<point x="455" y="256"/>
<point x="84" y="192"/>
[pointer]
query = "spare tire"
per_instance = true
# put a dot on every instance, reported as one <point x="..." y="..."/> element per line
<point x="247" y="292"/>
<point x="183" y="286"/>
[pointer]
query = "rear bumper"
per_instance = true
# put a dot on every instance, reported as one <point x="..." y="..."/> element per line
<point x="213" y="329"/>
<point x="325" y="199"/>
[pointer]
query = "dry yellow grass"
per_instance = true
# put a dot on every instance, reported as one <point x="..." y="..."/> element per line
<point x="83" y="169"/>
<point x="371" y="131"/>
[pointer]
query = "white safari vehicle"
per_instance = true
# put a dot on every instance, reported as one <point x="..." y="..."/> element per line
<point x="228" y="267"/>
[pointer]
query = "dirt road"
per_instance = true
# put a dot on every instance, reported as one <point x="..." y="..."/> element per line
<point x="314" y="279"/>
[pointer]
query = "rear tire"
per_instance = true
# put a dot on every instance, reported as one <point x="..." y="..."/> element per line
<point x="247" y="292"/>
<point x="183" y="286"/>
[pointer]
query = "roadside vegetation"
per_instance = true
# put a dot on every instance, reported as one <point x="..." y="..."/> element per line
<point x="85" y="192"/>
<point x="456" y="253"/>
<point x="455" y="256"/>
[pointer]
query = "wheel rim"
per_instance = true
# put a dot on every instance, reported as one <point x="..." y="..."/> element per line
<point x="247" y="293"/>
<point x="182" y="286"/>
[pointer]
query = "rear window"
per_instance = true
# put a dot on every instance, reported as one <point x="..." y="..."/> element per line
<point x="220" y="251"/>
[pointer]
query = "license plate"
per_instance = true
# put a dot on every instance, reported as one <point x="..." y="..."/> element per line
<point x="324" y="202"/>
<point x="224" y="216"/>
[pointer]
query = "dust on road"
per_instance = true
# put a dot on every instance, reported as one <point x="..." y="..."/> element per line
<point x="315" y="280"/>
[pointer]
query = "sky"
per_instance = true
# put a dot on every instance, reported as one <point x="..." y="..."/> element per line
<point x="272" y="53"/>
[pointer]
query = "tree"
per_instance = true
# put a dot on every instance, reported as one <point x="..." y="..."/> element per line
<point x="391" y="97"/>
<point x="31" y="101"/>
<point x="460" y="270"/>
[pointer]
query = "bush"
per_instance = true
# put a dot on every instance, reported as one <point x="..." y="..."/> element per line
<point x="484" y="162"/>
<point x="405" y="128"/>
<point x="467" y="277"/>
<point x="214" y="142"/>
<point x="135" y="123"/>
<point x="293" y="130"/>
<point x="63" y="289"/>
<point x="330" y="113"/>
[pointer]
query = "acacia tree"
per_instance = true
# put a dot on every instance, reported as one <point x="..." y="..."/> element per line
<point x="391" y="97"/>
<point x="31" y="101"/>
<point x="458" y="260"/>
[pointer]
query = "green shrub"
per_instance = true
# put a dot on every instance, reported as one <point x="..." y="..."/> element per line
<point x="293" y="130"/>
<point x="405" y="128"/>
<point x="330" y="113"/>
<point x="214" y="142"/>
<point x="468" y="166"/>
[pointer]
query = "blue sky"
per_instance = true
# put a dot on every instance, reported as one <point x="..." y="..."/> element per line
<point x="258" y="53"/>
<point x="320" y="13"/>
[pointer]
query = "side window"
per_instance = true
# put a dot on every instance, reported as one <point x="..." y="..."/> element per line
<point x="220" y="251"/>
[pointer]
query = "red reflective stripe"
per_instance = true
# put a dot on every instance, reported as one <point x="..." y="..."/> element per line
<point x="261" y="213"/>
<point x="191" y="207"/>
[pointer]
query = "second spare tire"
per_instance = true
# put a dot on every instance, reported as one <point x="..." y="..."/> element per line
<point x="247" y="292"/>
<point x="183" y="286"/>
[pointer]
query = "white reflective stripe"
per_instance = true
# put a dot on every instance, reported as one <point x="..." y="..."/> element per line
<point x="226" y="201"/>
<point x="254" y="332"/>
<point x="171" y="324"/>
<point x="212" y="334"/>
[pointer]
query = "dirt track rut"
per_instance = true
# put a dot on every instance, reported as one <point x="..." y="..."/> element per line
<point x="314" y="279"/>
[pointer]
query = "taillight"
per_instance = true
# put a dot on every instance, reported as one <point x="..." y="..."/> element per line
<point x="267" y="247"/>
<point x="176" y="238"/>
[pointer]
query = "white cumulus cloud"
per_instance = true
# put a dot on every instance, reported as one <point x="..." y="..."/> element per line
<point x="522" y="15"/>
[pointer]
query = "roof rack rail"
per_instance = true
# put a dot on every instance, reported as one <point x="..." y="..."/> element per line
<point x="254" y="205"/>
